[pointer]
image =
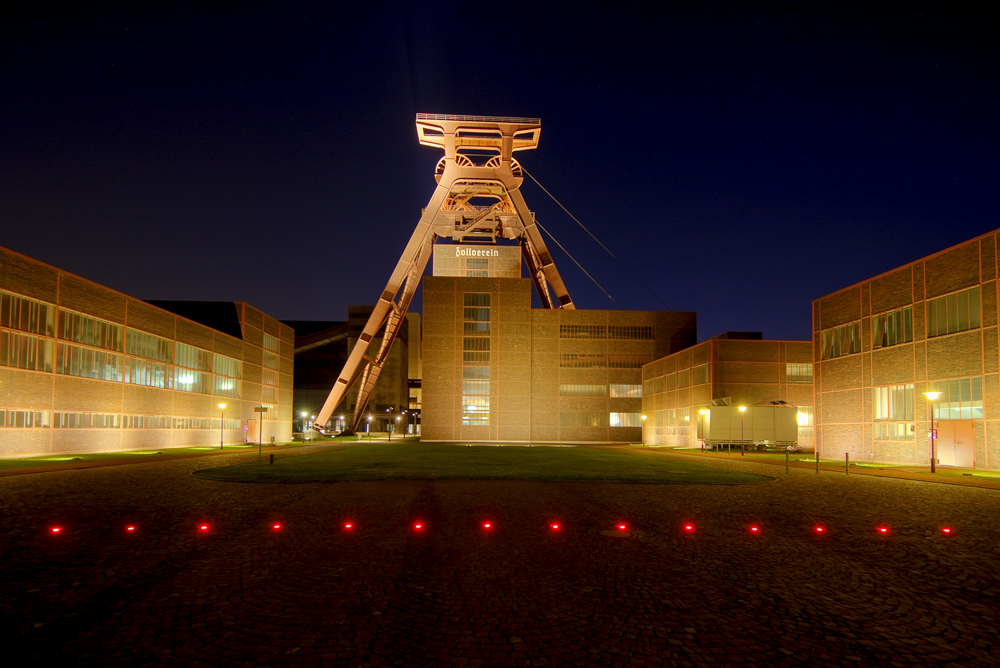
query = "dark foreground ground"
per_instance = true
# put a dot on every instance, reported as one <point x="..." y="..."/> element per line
<point x="518" y="595"/>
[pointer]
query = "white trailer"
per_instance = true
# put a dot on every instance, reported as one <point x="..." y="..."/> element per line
<point x="755" y="428"/>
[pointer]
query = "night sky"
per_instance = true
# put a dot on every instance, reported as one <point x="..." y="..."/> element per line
<point x="740" y="159"/>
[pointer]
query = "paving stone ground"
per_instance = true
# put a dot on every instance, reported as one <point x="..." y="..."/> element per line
<point x="521" y="594"/>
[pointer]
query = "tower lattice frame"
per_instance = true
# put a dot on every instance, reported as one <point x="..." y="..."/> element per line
<point x="478" y="199"/>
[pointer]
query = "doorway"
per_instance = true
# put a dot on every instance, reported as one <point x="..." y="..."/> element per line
<point x="955" y="443"/>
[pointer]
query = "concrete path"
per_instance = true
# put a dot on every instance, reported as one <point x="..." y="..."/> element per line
<point x="520" y="594"/>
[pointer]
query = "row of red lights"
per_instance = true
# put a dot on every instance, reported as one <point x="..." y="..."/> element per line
<point x="419" y="526"/>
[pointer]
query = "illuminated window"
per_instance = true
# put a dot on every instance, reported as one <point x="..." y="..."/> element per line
<point x="150" y="346"/>
<point x="892" y="410"/>
<point x="630" y="391"/>
<point x="272" y="343"/>
<point x="147" y="422"/>
<point x="190" y="357"/>
<point x="583" y="390"/>
<point x="24" y="419"/>
<point x="148" y="373"/>
<point x="798" y="373"/>
<point x="26" y="315"/>
<point x="477" y="263"/>
<point x="842" y="340"/>
<point x="86" y="420"/>
<point x="625" y="420"/>
<point x="647" y="387"/>
<point x="188" y="380"/>
<point x="89" y="363"/>
<point x="952" y="313"/>
<point x="476" y="357"/>
<point x="960" y="399"/>
<point x="894" y="327"/>
<point x="23" y="351"/>
<point x="90" y="331"/>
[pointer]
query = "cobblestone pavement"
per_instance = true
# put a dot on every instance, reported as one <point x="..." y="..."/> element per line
<point x="519" y="594"/>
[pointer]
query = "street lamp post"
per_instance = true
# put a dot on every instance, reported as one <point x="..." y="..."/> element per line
<point x="222" y="426"/>
<point x="743" y="446"/>
<point x="931" y="396"/>
<point x="644" y="430"/>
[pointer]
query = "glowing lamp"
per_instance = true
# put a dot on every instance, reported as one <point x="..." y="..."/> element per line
<point x="202" y="527"/>
<point x="689" y="527"/>
<point x="754" y="529"/>
<point x="622" y="527"/>
<point x="946" y="530"/>
<point x="276" y="527"/>
<point x="554" y="527"/>
<point x="348" y="526"/>
<point x="487" y="525"/>
<point x="820" y="529"/>
<point x="130" y="528"/>
<point x="883" y="530"/>
<point x="418" y="526"/>
<point x="56" y="529"/>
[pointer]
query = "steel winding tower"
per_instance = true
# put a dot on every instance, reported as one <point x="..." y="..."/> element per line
<point x="477" y="199"/>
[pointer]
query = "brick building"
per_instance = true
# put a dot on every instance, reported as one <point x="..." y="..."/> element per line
<point x="495" y="369"/>
<point x="85" y="368"/>
<point x="735" y="369"/>
<point x="881" y="344"/>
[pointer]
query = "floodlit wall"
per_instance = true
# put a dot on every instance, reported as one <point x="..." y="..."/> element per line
<point x="744" y="372"/>
<point x="495" y="369"/>
<point x="85" y="368"/>
<point x="881" y="344"/>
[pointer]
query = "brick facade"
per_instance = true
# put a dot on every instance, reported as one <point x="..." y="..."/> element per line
<point x="42" y="395"/>
<point x="963" y="357"/>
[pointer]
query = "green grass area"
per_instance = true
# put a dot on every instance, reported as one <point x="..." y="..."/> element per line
<point x="135" y="455"/>
<point x="429" y="461"/>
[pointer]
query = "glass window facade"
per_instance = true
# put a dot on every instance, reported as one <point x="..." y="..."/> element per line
<point x="89" y="331"/>
<point x="89" y="363"/>
<point x="583" y="419"/>
<point x="476" y="346"/>
<point x="961" y="398"/>
<point x="27" y="315"/>
<point x="799" y="373"/>
<point x="892" y="328"/>
<point x="953" y="313"/>
<point x="583" y="390"/>
<point x="24" y="419"/>
<point x="625" y="390"/>
<point x="149" y="346"/>
<point x="842" y="340"/>
<point x="24" y="351"/>
<point x="625" y="420"/>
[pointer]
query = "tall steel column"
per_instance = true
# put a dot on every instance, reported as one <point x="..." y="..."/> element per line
<point x="477" y="198"/>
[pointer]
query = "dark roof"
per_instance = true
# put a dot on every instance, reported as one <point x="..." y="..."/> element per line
<point x="221" y="316"/>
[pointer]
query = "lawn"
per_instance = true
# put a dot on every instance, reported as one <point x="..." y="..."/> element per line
<point x="430" y="461"/>
<point x="134" y="455"/>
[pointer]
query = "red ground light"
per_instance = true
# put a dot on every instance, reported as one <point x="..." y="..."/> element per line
<point x="203" y="527"/>
<point x="487" y="525"/>
<point x="622" y="527"/>
<point x="754" y="529"/>
<point x="418" y="526"/>
<point x="130" y="528"/>
<point x="554" y="527"/>
<point x="689" y="527"/>
<point x="348" y="526"/>
<point x="820" y="529"/>
<point x="946" y="530"/>
<point x="883" y="530"/>
<point x="276" y="527"/>
<point x="56" y="530"/>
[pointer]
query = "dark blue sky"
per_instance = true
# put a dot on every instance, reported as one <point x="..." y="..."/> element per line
<point x="742" y="159"/>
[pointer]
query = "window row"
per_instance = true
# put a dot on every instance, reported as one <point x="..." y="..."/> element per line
<point x="11" y="417"/>
<point x="600" y="420"/>
<point x="799" y="373"/>
<point x="952" y="313"/>
<point x="24" y="351"/>
<point x="27" y="315"/>
<point x="621" y="332"/>
<point x="842" y="340"/>
<point x="91" y="331"/>
<point x="892" y="328"/>
<point x="617" y="390"/>
<point x="960" y="399"/>
<point x="600" y="361"/>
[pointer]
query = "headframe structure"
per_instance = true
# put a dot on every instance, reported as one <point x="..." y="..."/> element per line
<point x="477" y="199"/>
